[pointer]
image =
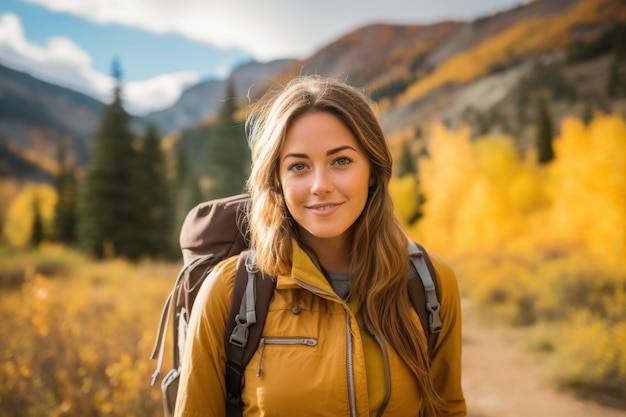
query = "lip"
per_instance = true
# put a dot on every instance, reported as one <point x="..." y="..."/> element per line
<point x="324" y="209"/>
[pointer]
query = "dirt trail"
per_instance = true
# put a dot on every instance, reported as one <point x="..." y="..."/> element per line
<point x="501" y="379"/>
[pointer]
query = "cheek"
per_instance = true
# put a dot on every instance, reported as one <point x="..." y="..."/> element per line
<point x="291" y="194"/>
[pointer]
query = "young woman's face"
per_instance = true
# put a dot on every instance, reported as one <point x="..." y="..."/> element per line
<point x="324" y="176"/>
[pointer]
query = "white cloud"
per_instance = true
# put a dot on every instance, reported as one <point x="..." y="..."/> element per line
<point x="150" y="95"/>
<point x="272" y="28"/>
<point x="62" y="62"/>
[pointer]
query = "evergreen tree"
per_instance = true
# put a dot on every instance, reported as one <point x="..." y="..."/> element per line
<point x="182" y="164"/>
<point x="37" y="233"/>
<point x="615" y="87"/>
<point x="108" y="215"/>
<point x="228" y="153"/>
<point x="587" y="114"/>
<point x="155" y="205"/>
<point x="544" y="133"/>
<point x="406" y="162"/>
<point x="67" y="191"/>
<point x="193" y="193"/>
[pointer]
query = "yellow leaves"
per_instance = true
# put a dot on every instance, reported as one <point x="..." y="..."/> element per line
<point x="482" y="195"/>
<point x="80" y="342"/>
<point x="443" y="178"/>
<point x="405" y="194"/>
<point x="591" y="352"/>
<point x="537" y="244"/>
<point x="20" y="215"/>
<point x="589" y="185"/>
<point x="478" y="194"/>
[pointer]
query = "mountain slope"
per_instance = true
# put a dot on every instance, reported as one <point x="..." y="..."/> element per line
<point x="487" y="73"/>
<point x="35" y="115"/>
<point x="203" y="100"/>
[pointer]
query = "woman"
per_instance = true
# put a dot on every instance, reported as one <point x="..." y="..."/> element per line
<point x="322" y="223"/>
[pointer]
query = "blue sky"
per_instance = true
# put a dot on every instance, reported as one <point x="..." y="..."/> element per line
<point x="136" y="48"/>
<point x="165" y="46"/>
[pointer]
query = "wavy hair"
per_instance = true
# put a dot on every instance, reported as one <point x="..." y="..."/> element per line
<point x="379" y="254"/>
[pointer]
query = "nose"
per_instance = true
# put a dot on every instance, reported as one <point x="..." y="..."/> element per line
<point x="322" y="182"/>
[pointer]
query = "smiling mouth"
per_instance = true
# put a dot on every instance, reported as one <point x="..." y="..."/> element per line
<point x="324" y="208"/>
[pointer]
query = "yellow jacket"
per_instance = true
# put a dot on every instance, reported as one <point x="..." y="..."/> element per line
<point x="315" y="358"/>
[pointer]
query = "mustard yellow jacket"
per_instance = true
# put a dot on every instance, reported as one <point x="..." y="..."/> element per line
<point x="315" y="358"/>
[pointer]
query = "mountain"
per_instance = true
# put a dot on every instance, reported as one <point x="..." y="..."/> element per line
<point x="204" y="100"/>
<point x="487" y="73"/>
<point x="13" y="165"/>
<point x="456" y="71"/>
<point x="36" y="115"/>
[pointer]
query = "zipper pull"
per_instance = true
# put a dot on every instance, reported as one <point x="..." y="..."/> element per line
<point x="262" y="344"/>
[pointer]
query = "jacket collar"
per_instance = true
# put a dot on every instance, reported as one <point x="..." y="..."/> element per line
<point x="304" y="270"/>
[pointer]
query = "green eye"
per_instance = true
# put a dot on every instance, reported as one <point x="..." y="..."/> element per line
<point x="344" y="160"/>
<point x="298" y="166"/>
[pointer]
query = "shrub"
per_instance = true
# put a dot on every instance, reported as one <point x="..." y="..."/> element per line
<point x="80" y="345"/>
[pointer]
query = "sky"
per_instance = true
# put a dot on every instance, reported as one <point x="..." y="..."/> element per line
<point x="166" y="46"/>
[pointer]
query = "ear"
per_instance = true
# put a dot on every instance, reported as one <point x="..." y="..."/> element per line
<point x="372" y="180"/>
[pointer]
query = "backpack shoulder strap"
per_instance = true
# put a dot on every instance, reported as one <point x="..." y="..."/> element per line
<point x="172" y="304"/>
<point x="250" y="301"/>
<point x="423" y="292"/>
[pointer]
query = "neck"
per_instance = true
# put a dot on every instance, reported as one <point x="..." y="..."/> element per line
<point x="332" y="254"/>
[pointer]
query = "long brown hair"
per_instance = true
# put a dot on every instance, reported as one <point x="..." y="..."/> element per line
<point x="379" y="247"/>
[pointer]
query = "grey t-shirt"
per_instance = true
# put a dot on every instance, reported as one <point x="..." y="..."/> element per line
<point x="340" y="281"/>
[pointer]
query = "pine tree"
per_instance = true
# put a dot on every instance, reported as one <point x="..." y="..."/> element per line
<point x="108" y="200"/>
<point x="228" y="153"/>
<point x="182" y="164"/>
<point x="67" y="191"/>
<point x="37" y="233"/>
<point x="406" y="162"/>
<point x="155" y="208"/>
<point x="544" y="133"/>
<point x="613" y="81"/>
<point x="193" y="193"/>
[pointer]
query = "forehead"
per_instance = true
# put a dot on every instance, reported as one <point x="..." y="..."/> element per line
<point x="318" y="130"/>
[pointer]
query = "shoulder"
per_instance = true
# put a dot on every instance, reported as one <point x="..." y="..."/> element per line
<point x="446" y="280"/>
<point x="215" y="293"/>
<point x="444" y="271"/>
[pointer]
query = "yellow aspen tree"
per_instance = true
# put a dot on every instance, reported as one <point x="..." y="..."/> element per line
<point x="490" y="218"/>
<point x="20" y="215"/>
<point x="445" y="177"/>
<point x="405" y="195"/>
<point x="589" y="186"/>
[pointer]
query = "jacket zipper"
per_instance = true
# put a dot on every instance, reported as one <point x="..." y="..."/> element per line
<point x="284" y="341"/>
<point x="350" y="366"/>
<point x="349" y="353"/>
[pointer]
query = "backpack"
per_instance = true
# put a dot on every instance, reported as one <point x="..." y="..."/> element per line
<point x="215" y="230"/>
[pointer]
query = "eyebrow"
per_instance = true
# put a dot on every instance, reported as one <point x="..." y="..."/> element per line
<point x="330" y="152"/>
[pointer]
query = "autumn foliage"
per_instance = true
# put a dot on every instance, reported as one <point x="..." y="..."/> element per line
<point x="541" y="245"/>
<point x="534" y="36"/>
<point x="77" y="334"/>
<point x="534" y="244"/>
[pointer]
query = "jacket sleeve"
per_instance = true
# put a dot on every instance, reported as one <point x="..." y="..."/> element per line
<point x="446" y="359"/>
<point x="202" y="389"/>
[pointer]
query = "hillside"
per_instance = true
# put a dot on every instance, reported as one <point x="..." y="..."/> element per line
<point x="462" y="72"/>
<point x="487" y="73"/>
<point x="13" y="165"/>
<point x="35" y="115"/>
<point x="203" y="100"/>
